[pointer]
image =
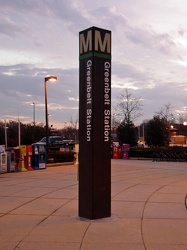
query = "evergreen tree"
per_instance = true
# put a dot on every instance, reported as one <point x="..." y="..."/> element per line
<point x="157" y="132"/>
<point x="127" y="133"/>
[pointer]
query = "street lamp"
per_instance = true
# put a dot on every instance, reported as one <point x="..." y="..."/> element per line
<point x="46" y="79"/>
<point x="33" y="104"/>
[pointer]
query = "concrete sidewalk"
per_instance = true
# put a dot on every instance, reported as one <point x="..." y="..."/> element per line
<point x="38" y="209"/>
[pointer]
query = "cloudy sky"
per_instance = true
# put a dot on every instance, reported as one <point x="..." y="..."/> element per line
<point x="40" y="38"/>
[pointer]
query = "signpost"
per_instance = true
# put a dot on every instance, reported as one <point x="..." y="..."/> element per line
<point x="95" y="123"/>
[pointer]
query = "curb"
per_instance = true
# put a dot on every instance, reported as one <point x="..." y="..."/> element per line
<point x="59" y="164"/>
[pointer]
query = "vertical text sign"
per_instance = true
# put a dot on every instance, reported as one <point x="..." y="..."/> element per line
<point x="94" y="123"/>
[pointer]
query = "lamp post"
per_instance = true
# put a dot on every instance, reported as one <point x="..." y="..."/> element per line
<point x="19" y="132"/>
<point x="33" y="104"/>
<point x="6" y="144"/>
<point x="46" y="79"/>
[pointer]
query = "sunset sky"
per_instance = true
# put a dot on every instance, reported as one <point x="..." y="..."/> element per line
<point x="40" y="38"/>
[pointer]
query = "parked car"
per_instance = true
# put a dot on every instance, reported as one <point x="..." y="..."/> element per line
<point x="52" y="140"/>
<point x="57" y="142"/>
<point x="59" y="149"/>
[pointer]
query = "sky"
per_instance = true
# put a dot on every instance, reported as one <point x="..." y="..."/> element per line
<point x="39" y="38"/>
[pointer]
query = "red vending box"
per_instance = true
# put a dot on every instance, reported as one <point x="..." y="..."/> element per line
<point x="28" y="158"/>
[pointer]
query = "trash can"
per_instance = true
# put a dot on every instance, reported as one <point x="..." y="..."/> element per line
<point x="125" y="151"/>
<point x="116" y="151"/>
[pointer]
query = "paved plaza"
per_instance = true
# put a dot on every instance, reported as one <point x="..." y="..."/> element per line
<point x="38" y="209"/>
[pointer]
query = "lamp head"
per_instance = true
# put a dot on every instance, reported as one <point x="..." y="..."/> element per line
<point x="50" y="78"/>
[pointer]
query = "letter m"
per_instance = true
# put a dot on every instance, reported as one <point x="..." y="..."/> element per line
<point x="85" y="45"/>
<point x="105" y="45"/>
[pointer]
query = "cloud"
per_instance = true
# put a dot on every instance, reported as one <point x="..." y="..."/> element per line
<point x="26" y="85"/>
<point x="149" y="39"/>
<point x="8" y="27"/>
<point x="40" y="38"/>
<point x="181" y="31"/>
<point x="109" y="16"/>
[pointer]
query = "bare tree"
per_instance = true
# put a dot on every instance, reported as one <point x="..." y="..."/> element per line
<point x="128" y="107"/>
<point x="165" y="112"/>
<point x="114" y="123"/>
<point x="74" y="123"/>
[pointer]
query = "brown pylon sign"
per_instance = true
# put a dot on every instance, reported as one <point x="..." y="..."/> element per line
<point x="94" y="123"/>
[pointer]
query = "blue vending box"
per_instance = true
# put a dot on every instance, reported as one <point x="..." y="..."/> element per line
<point x="38" y="156"/>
